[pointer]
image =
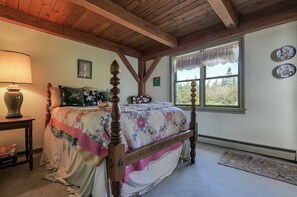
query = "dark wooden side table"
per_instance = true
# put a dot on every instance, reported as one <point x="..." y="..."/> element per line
<point x="19" y="123"/>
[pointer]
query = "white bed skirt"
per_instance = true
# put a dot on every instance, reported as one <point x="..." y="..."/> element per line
<point x="67" y="167"/>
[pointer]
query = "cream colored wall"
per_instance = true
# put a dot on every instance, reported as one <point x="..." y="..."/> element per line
<point x="162" y="92"/>
<point x="270" y="118"/>
<point x="54" y="60"/>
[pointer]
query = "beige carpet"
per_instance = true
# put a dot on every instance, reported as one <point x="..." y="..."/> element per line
<point x="264" y="166"/>
<point x="204" y="179"/>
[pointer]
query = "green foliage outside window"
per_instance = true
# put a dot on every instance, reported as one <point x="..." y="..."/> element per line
<point x="220" y="91"/>
<point x="224" y="93"/>
<point x="183" y="93"/>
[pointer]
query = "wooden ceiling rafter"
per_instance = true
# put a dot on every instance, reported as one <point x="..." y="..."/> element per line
<point x="194" y="22"/>
<point x="274" y="15"/>
<point x="226" y="12"/>
<point x="118" y="14"/>
<point x="33" y="22"/>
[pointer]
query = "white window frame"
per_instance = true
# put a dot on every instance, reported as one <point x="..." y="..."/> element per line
<point x="202" y="107"/>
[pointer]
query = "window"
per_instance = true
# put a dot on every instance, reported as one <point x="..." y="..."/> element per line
<point x="217" y="71"/>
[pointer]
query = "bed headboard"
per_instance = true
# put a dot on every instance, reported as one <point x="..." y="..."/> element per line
<point x="48" y="104"/>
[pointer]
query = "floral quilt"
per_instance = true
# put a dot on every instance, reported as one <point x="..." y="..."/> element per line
<point x="141" y="124"/>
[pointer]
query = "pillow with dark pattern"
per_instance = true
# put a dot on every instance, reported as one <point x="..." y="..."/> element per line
<point x="105" y="96"/>
<point x="71" y="96"/>
<point x="141" y="99"/>
<point x="91" y="97"/>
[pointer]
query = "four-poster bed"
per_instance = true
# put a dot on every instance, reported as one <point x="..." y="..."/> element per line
<point x="119" y="157"/>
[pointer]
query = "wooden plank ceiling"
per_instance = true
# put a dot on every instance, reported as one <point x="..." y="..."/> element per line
<point x="148" y="28"/>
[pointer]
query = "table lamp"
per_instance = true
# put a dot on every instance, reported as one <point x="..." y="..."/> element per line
<point x="15" y="68"/>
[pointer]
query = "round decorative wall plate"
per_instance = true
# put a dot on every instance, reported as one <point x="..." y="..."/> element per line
<point x="286" y="52"/>
<point x="286" y="70"/>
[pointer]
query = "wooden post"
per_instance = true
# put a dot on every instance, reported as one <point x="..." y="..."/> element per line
<point x="141" y="72"/>
<point x="193" y="125"/>
<point x="116" y="150"/>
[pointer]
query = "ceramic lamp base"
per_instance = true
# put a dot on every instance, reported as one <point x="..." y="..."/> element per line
<point x="13" y="99"/>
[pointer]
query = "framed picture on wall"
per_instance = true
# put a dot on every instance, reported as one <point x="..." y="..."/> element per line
<point x="84" y="69"/>
<point x="156" y="81"/>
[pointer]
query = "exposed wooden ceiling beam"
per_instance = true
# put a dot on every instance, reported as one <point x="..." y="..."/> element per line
<point x="225" y="11"/>
<point x="118" y="14"/>
<point x="275" y="15"/>
<point x="33" y="22"/>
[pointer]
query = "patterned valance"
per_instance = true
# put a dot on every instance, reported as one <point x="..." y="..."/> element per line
<point x="208" y="57"/>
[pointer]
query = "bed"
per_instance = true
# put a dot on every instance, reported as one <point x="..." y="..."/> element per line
<point x="109" y="162"/>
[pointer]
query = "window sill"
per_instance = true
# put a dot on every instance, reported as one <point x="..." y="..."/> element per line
<point x="215" y="109"/>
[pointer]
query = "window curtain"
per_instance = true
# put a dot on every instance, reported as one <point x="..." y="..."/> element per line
<point x="208" y="57"/>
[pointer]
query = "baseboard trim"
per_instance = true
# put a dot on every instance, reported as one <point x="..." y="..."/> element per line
<point x="283" y="153"/>
<point x="35" y="151"/>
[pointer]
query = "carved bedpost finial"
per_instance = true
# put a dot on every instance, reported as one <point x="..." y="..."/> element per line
<point x="115" y="68"/>
<point x="116" y="150"/>
<point x="115" y="112"/>
<point x="193" y="127"/>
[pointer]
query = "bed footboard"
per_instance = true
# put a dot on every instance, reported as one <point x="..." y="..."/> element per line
<point x="117" y="158"/>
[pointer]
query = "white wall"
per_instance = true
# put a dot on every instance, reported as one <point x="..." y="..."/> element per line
<point x="162" y="92"/>
<point x="270" y="118"/>
<point x="54" y="60"/>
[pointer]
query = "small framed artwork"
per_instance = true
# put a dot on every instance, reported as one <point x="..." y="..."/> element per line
<point x="156" y="81"/>
<point x="84" y="69"/>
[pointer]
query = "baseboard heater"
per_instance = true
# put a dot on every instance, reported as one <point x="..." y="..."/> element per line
<point x="288" y="154"/>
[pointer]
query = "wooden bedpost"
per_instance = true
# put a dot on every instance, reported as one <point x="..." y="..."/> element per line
<point x="116" y="150"/>
<point x="193" y="125"/>
<point x="48" y="104"/>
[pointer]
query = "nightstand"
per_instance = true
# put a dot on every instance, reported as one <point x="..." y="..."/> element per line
<point x="19" y="123"/>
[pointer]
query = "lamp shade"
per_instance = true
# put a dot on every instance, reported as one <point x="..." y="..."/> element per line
<point x="15" y="67"/>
